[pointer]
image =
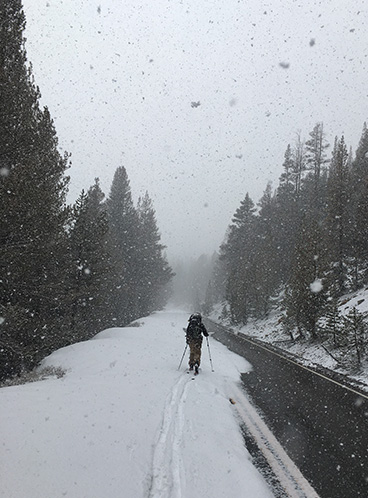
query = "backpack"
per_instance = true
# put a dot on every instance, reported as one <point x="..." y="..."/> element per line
<point x="194" y="330"/>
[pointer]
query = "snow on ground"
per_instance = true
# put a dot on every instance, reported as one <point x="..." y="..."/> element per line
<point x="270" y="330"/>
<point x="124" y="422"/>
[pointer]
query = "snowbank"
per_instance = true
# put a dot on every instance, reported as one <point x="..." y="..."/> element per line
<point x="124" y="421"/>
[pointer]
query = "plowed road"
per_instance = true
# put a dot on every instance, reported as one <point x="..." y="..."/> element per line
<point x="322" y="424"/>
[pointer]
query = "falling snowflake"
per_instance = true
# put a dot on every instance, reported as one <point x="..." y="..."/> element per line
<point x="316" y="286"/>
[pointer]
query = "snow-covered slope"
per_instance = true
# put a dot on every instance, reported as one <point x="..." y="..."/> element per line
<point x="124" y="422"/>
<point x="271" y="330"/>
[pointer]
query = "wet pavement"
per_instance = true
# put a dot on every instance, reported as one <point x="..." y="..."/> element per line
<point x="321" y="425"/>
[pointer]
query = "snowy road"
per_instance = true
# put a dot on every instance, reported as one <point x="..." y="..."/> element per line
<point x="322" y="425"/>
<point x="125" y="423"/>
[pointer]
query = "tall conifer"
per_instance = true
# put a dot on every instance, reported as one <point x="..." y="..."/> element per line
<point x="123" y="240"/>
<point x="90" y="266"/>
<point x="237" y="253"/>
<point x="32" y="202"/>
<point x="338" y="225"/>
<point x="153" y="272"/>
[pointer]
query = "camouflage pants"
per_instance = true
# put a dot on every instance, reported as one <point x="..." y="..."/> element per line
<point x="195" y="352"/>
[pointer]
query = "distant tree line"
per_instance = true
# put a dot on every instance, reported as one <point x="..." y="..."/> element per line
<point x="66" y="271"/>
<point x="191" y="281"/>
<point x="304" y="245"/>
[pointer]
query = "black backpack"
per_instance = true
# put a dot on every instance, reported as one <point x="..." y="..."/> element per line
<point x="194" y="330"/>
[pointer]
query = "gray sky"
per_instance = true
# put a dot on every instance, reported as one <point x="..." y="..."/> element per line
<point x="120" y="77"/>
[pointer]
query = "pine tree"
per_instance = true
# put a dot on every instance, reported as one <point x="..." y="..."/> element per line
<point x="32" y="202"/>
<point x="306" y="295"/>
<point x="334" y="323"/>
<point x="123" y="240"/>
<point x="153" y="272"/>
<point x="266" y="255"/>
<point x="286" y="217"/>
<point x="315" y="181"/>
<point x="286" y="184"/>
<point x="18" y="94"/>
<point x="298" y="164"/>
<point x="356" y="334"/>
<point x="359" y="210"/>
<point x="90" y="266"/>
<point x="237" y="253"/>
<point x="316" y="157"/>
<point x="209" y="299"/>
<point x="338" y="222"/>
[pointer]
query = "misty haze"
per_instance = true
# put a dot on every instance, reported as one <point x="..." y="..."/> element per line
<point x="184" y="241"/>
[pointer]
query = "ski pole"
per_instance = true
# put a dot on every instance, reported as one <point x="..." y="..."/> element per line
<point x="182" y="358"/>
<point x="209" y="353"/>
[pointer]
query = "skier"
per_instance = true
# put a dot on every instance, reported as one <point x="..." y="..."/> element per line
<point x="194" y="338"/>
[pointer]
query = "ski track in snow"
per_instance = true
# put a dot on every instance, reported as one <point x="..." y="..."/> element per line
<point x="90" y="435"/>
<point x="167" y="478"/>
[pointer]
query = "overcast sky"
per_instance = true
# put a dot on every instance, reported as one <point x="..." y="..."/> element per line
<point x="120" y="78"/>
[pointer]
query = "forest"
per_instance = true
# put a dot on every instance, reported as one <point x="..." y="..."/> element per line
<point x="67" y="271"/>
<point x="302" y="247"/>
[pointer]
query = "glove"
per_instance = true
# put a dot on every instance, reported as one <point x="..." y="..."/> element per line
<point x="205" y="334"/>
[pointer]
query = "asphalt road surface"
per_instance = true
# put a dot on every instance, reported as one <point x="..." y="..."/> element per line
<point x="322" y="425"/>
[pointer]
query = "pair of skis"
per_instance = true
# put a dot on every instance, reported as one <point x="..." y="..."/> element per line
<point x="195" y="371"/>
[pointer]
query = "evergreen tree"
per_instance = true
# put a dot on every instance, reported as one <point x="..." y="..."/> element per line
<point x="90" y="266"/>
<point x="287" y="185"/>
<point x="123" y="240"/>
<point x="237" y="253"/>
<point x="316" y="154"/>
<point x="359" y="210"/>
<point x="298" y="164"/>
<point x="316" y="178"/>
<point x="153" y="273"/>
<point x="334" y="324"/>
<point x="306" y="295"/>
<point x="64" y="275"/>
<point x="338" y="223"/>
<point x="355" y="333"/>
<point x="32" y="202"/>
<point x="209" y="299"/>
<point x="286" y="217"/>
<point x="266" y="255"/>
<point x="18" y="94"/>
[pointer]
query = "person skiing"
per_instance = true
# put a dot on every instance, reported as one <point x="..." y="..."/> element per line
<point x="194" y="339"/>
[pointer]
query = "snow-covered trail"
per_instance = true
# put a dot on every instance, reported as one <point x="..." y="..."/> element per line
<point x="167" y="474"/>
<point x="124" y="422"/>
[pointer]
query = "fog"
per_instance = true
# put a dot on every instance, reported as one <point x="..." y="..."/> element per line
<point x="198" y="100"/>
